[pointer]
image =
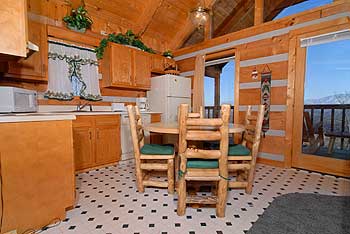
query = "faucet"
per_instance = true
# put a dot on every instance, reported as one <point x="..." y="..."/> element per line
<point x="80" y="106"/>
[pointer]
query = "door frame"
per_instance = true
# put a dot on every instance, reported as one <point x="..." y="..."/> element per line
<point x="297" y="68"/>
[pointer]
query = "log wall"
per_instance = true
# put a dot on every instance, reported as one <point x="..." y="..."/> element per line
<point x="260" y="46"/>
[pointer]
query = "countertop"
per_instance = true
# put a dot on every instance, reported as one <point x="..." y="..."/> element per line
<point x="55" y="115"/>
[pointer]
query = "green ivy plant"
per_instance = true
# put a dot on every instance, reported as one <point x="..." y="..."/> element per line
<point x="78" y="19"/>
<point x="129" y="38"/>
<point x="168" y="53"/>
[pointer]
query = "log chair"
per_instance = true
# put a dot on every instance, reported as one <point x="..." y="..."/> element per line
<point x="203" y="165"/>
<point x="150" y="157"/>
<point x="242" y="157"/>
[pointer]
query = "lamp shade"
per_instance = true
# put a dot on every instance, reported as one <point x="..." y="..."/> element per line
<point x="200" y="16"/>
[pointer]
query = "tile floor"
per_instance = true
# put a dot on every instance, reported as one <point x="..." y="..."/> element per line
<point x="108" y="203"/>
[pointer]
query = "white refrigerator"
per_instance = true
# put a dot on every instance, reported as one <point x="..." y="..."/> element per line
<point x="167" y="93"/>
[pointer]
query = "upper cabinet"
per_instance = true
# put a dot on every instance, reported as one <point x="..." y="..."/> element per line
<point x="125" y="67"/>
<point x="35" y="66"/>
<point x="142" y="69"/>
<point x="159" y="63"/>
<point x="13" y="28"/>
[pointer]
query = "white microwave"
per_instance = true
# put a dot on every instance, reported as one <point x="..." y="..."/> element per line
<point x="14" y="100"/>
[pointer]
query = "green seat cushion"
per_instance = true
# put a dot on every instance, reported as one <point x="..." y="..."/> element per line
<point x="238" y="150"/>
<point x="201" y="163"/>
<point x="157" y="149"/>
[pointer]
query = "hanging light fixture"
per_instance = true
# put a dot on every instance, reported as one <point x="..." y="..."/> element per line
<point x="200" y="15"/>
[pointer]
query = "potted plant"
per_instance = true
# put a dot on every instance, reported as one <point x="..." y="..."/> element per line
<point x="168" y="54"/>
<point x="78" y="20"/>
<point x="128" y="39"/>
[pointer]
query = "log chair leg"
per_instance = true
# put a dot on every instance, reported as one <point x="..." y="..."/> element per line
<point x="222" y="196"/>
<point x="181" y="203"/>
<point x="250" y="180"/>
<point x="171" y="176"/>
<point x="139" y="179"/>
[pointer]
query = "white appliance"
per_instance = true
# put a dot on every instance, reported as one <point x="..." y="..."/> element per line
<point x="14" y="99"/>
<point x="126" y="140"/>
<point x="142" y="103"/>
<point x="118" y="107"/>
<point x="167" y="93"/>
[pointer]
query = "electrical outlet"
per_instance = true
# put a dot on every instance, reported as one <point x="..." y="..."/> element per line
<point x="11" y="232"/>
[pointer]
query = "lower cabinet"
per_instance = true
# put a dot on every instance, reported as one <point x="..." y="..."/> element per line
<point x="37" y="173"/>
<point x="96" y="141"/>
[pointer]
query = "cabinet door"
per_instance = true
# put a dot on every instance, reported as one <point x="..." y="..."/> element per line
<point x="107" y="144"/>
<point x="83" y="147"/>
<point x="35" y="66"/>
<point x="120" y="66"/>
<point x="157" y="63"/>
<point x="142" y="70"/>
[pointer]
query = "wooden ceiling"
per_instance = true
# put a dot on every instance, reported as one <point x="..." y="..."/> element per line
<point x="234" y="15"/>
<point x="163" y="24"/>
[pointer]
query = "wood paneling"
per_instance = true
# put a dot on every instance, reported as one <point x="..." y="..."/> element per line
<point x="277" y="120"/>
<point x="315" y="13"/>
<point x="279" y="72"/>
<point x="253" y="96"/>
<point x="272" y="144"/>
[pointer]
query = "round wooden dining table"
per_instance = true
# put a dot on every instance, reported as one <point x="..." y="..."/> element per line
<point x="173" y="128"/>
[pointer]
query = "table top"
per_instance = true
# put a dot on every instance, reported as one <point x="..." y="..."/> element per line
<point x="173" y="128"/>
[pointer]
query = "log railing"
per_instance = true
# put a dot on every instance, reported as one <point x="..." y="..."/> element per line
<point x="214" y="112"/>
<point x="335" y="117"/>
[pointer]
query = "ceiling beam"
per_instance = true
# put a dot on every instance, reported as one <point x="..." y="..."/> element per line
<point x="273" y="8"/>
<point x="146" y="18"/>
<point x="234" y="17"/>
<point x="258" y="12"/>
<point x="182" y="35"/>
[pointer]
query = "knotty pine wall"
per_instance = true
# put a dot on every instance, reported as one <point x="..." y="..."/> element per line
<point x="51" y="12"/>
<point x="256" y="47"/>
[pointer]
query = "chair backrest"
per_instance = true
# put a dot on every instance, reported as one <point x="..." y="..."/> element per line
<point x="202" y="129"/>
<point x="253" y="128"/>
<point x="136" y="129"/>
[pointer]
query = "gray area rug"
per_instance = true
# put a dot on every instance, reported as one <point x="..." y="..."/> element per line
<point x="301" y="213"/>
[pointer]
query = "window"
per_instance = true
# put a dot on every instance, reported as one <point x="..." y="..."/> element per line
<point x="303" y="6"/>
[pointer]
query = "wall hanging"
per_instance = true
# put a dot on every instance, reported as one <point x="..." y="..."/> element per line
<point x="266" y="96"/>
<point x="72" y="71"/>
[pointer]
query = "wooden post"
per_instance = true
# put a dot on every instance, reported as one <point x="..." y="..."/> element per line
<point x="208" y="29"/>
<point x="217" y="93"/>
<point x="198" y="83"/>
<point x="259" y="12"/>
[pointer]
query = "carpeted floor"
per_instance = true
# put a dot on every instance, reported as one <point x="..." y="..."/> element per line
<point x="301" y="213"/>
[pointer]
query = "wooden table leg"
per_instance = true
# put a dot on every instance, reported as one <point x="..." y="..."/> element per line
<point x="331" y="144"/>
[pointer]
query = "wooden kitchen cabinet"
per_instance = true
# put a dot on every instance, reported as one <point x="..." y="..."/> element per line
<point x="159" y="63"/>
<point x="13" y="29"/>
<point x="37" y="172"/>
<point x="83" y="147"/>
<point x="142" y="69"/>
<point x="96" y="141"/>
<point x="35" y="66"/>
<point x="125" y="67"/>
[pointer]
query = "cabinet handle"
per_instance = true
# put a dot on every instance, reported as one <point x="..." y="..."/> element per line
<point x="98" y="133"/>
<point x="90" y="135"/>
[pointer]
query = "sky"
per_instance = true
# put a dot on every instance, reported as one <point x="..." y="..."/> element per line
<point x="327" y="71"/>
